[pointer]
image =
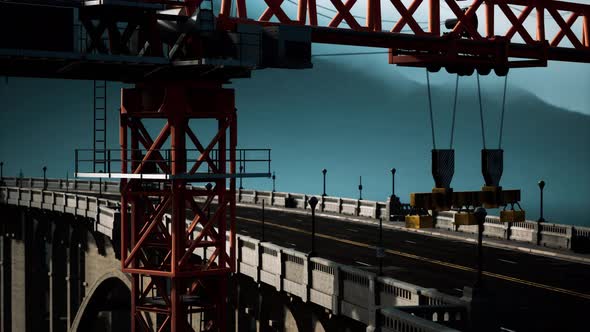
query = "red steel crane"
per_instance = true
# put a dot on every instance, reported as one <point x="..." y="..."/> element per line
<point x="179" y="54"/>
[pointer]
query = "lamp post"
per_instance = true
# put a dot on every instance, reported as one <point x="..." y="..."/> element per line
<point x="44" y="177"/>
<point x="480" y="216"/>
<point x="393" y="182"/>
<point x="262" y="221"/>
<point x="380" y="252"/>
<point x="324" y="171"/>
<point x="313" y="202"/>
<point x="100" y="184"/>
<point x="1" y="172"/>
<point x="360" y="188"/>
<point x="541" y="219"/>
<point x="274" y="177"/>
<point x="241" y="171"/>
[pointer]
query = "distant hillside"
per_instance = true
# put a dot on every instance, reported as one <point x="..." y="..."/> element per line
<point x="356" y="124"/>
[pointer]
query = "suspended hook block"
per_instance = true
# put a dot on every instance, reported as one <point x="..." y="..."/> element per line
<point x="443" y="167"/>
<point x="492" y="167"/>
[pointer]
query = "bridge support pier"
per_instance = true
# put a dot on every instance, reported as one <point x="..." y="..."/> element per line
<point x="5" y="281"/>
<point x="58" y="285"/>
<point x="75" y="270"/>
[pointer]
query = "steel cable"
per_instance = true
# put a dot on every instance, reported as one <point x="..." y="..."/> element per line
<point x="503" y="110"/>
<point x="430" y="108"/>
<point x="483" y="135"/>
<point x="454" y="111"/>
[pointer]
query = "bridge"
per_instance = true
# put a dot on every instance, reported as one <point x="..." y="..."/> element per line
<point x="183" y="266"/>
<point x="69" y="229"/>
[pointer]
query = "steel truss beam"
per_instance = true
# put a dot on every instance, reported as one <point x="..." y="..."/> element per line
<point x="168" y="280"/>
<point x="464" y="44"/>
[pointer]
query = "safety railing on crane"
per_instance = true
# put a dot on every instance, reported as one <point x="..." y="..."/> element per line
<point x="133" y="164"/>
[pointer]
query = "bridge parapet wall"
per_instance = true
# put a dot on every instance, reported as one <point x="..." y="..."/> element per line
<point x="552" y="235"/>
<point x="339" y="288"/>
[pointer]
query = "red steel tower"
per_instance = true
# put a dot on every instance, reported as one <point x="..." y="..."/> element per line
<point x="168" y="280"/>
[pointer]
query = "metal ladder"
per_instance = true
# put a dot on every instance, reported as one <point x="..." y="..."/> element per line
<point x="100" y="126"/>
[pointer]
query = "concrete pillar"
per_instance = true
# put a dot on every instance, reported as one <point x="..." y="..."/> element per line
<point x="241" y="316"/>
<point x="20" y="268"/>
<point x="5" y="283"/>
<point x="262" y="310"/>
<point x="58" y="304"/>
<point x="75" y="274"/>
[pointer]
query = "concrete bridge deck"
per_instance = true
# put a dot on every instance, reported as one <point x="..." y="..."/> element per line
<point x="529" y="292"/>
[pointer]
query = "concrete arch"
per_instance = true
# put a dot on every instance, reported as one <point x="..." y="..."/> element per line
<point x="112" y="287"/>
<point x="290" y="323"/>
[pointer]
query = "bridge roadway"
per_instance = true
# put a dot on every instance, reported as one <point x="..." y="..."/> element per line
<point x="527" y="292"/>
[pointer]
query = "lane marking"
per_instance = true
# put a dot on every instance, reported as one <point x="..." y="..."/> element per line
<point x="430" y="260"/>
<point x="458" y="289"/>
<point x="352" y="230"/>
<point x="506" y="329"/>
<point x="362" y="263"/>
<point x="408" y="241"/>
<point x="506" y="261"/>
<point x="292" y="244"/>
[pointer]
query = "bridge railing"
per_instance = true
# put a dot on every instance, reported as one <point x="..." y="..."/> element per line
<point x="345" y="290"/>
<point x="103" y="211"/>
<point x="551" y="235"/>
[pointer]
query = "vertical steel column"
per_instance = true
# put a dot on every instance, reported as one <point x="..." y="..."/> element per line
<point x="165" y="273"/>
<point x="540" y="22"/>
<point x="489" y="19"/>
<point x="434" y="17"/>
<point x="586" y="30"/>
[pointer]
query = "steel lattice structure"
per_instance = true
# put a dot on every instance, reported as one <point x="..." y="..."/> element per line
<point x="166" y="277"/>
<point x="431" y="47"/>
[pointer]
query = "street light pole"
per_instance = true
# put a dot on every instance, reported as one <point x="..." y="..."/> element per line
<point x="324" y="171"/>
<point x="241" y="176"/>
<point x="44" y="177"/>
<point x="313" y="202"/>
<point x="480" y="215"/>
<point x="393" y="182"/>
<point x="380" y="251"/>
<point x="263" y="221"/>
<point x="1" y="172"/>
<point x="274" y="177"/>
<point x="360" y="188"/>
<point x="541" y="219"/>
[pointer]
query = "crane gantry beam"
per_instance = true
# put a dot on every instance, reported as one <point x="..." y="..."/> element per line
<point x="464" y="43"/>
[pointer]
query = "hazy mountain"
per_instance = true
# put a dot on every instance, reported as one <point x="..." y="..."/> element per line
<point x="354" y="123"/>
